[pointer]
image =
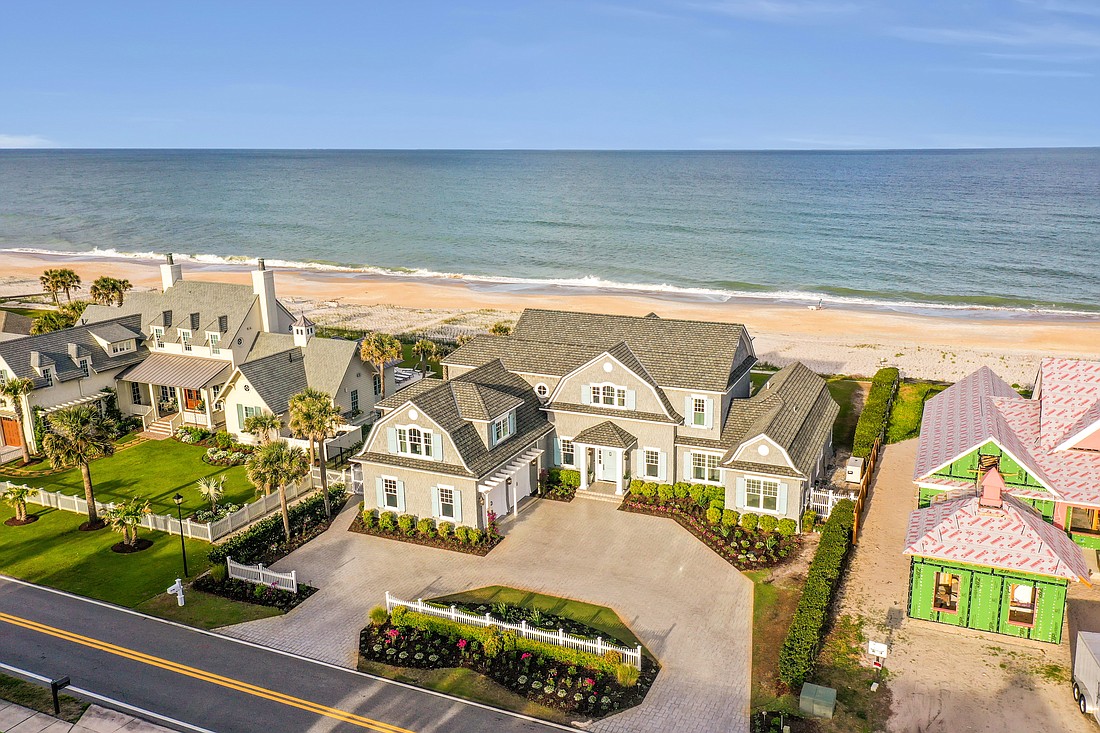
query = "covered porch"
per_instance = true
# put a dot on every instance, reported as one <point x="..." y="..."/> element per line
<point x="502" y="492"/>
<point x="603" y="455"/>
<point x="179" y="390"/>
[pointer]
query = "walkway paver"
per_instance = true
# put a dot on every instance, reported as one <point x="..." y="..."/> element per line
<point x="691" y="609"/>
<point x="17" y="719"/>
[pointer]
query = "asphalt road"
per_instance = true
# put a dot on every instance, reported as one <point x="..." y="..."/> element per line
<point x="212" y="681"/>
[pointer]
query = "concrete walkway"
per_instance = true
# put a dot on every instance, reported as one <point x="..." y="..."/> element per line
<point x="16" y="719"/>
<point x="691" y="609"/>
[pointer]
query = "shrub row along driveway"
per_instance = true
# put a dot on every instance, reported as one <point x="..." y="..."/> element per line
<point x="691" y="609"/>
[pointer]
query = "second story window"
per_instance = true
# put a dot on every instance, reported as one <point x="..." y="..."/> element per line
<point x="158" y="337"/>
<point x="355" y="400"/>
<point x="503" y="428"/>
<point x="47" y="374"/>
<point x="85" y="369"/>
<point x="215" y="343"/>
<point x="608" y="394"/>
<point x="121" y="347"/>
<point x="699" y="412"/>
<point x="377" y="384"/>
<point x="185" y="339"/>
<point x="414" y="442"/>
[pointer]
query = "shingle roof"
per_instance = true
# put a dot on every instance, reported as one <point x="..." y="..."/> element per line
<point x="278" y="370"/>
<point x="1010" y="537"/>
<point x="15" y="323"/>
<point x="675" y="353"/>
<point x="606" y="434"/>
<point x="53" y="348"/>
<point x="276" y="378"/>
<point x="177" y="370"/>
<point x="113" y="332"/>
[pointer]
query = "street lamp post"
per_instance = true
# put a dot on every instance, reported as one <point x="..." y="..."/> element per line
<point x="178" y="498"/>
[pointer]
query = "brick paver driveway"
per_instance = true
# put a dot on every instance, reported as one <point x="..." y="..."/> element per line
<point x="690" y="608"/>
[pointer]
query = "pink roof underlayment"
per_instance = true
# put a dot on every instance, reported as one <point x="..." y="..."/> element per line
<point x="982" y="407"/>
<point x="993" y="529"/>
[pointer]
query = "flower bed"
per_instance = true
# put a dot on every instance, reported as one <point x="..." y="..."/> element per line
<point x="535" y="618"/>
<point x="445" y="536"/>
<point x="218" y="457"/>
<point x="559" y="484"/>
<point x="576" y="682"/>
<point x="747" y="542"/>
<point x="215" y="513"/>
<point x="264" y="541"/>
<point x="260" y="595"/>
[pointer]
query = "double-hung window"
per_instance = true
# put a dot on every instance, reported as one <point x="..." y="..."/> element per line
<point x="699" y="412"/>
<point x="85" y="369"/>
<point x="652" y="463"/>
<point x="502" y="428"/>
<point x="446" y="502"/>
<point x="413" y="441"/>
<point x="250" y="412"/>
<point x="214" y="392"/>
<point x="389" y="493"/>
<point x="761" y="494"/>
<point x="377" y="384"/>
<point x="215" y="343"/>
<point x="185" y="339"/>
<point x="704" y="467"/>
<point x="355" y="400"/>
<point x="568" y="453"/>
<point x="135" y="393"/>
<point x="47" y="374"/>
<point x="158" y="336"/>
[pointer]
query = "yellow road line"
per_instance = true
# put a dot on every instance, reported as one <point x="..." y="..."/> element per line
<point x="228" y="682"/>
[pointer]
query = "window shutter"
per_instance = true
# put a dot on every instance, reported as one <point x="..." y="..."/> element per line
<point x="240" y="416"/>
<point x="740" y="496"/>
<point x="662" y="467"/>
<point x="687" y="410"/>
<point x="391" y="437"/>
<point x="381" y="493"/>
<point x="639" y="472"/>
<point x="435" y="502"/>
<point x="458" y="506"/>
<point x="512" y="422"/>
<point x="401" y="496"/>
<point x="586" y="394"/>
<point x="557" y="451"/>
<point x="781" y="499"/>
<point x="437" y="447"/>
<point x="630" y="399"/>
<point x="687" y="466"/>
<point x="710" y="413"/>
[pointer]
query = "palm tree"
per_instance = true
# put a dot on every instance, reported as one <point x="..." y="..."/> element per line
<point x="125" y="518"/>
<point x="425" y="349"/>
<point x="378" y="349"/>
<point x="121" y="286"/>
<point x="77" y="436"/>
<point x="14" y="391"/>
<point x="314" y="415"/>
<point x="109" y="290"/>
<point x="49" y="322"/>
<point x="211" y="489"/>
<point x="274" y="466"/>
<point x="68" y="281"/>
<point x="51" y="283"/>
<point x="16" y="497"/>
<point x="264" y="426"/>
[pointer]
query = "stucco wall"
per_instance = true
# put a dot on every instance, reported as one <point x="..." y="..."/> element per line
<point x="571" y="389"/>
<point x="795" y="488"/>
<point x="418" y="491"/>
<point x="650" y="435"/>
<point x="378" y="442"/>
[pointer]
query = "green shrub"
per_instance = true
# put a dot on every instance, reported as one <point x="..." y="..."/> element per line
<point x="612" y="657"/>
<point x="387" y="521"/>
<point x="767" y="523"/>
<point x="405" y="523"/>
<point x="626" y="675"/>
<point x="491" y="641"/>
<point x="749" y="521"/>
<point x="787" y="527"/>
<point x="714" y="515"/>
<point x="462" y="533"/>
<point x="730" y="517"/>
<point x="399" y="615"/>
<point x="876" y="411"/>
<point x="665" y="492"/>
<point x="569" y="478"/>
<point x="714" y="494"/>
<point x="682" y="490"/>
<point x="426" y="527"/>
<point x="369" y="518"/>
<point x="473" y="535"/>
<point x="219" y="573"/>
<point x="649" y="490"/>
<point x="379" y="616"/>
<point x="800" y="647"/>
<point x="809" y="519"/>
<point x="718" y="504"/>
<point x="223" y="439"/>
<point x="265" y="542"/>
<point x="636" y="487"/>
<point x="698" y="494"/>
<point x="445" y="530"/>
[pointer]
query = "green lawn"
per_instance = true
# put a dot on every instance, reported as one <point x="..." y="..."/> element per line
<point x="53" y="552"/>
<point x="772" y="608"/>
<point x="600" y="618"/>
<point x="204" y="610"/>
<point x="845" y="391"/>
<point x="410" y="360"/>
<point x="28" y="312"/>
<point x="908" y="409"/>
<point x="37" y="697"/>
<point x="155" y="470"/>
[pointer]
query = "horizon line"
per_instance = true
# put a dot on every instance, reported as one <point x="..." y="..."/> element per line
<point x="43" y="149"/>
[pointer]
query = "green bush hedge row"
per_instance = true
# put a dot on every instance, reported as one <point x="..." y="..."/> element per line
<point x="800" y="648"/>
<point x="704" y="495"/>
<point x="265" y="539"/>
<point x="564" y="477"/>
<point x="876" y="411"/>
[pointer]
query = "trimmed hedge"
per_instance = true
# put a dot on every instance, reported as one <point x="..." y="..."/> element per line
<point x="800" y="648"/>
<point x="876" y="411"/>
<point x="264" y="542"/>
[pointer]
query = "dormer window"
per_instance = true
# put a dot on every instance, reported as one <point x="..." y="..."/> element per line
<point x="502" y="428"/>
<point x="47" y="374"/>
<point x="699" y="411"/>
<point x="121" y="347"/>
<point x="85" y="369"/>
<point x="215" y="343"/>
<point x="185" y="339"/>
<point x="158" y="336"/>
<point x="608" y="394"/>
<point x="413" y="441"/>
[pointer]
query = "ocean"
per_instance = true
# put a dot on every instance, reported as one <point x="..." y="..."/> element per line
<point x="959" y="230"/>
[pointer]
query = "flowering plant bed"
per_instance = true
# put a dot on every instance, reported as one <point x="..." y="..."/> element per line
<point x="559" y="484"/>
<point x="218" y="457"/>
<point x="215" y="513"/>
<point x="444" y="536"/>
<point x="260" y="595"/>
<point x="578" y="683"/>
<point x="744" y="547"/>
<point x="264" y="542"/>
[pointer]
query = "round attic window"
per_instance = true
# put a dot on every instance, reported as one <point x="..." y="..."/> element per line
<point x="246" y="388"/>
<point x="607" y="366"/>
<point x="763" y="450"/>
<point x="413" y="414"/>
<point x="542" y="390"/>
<point x="240" y="341"/>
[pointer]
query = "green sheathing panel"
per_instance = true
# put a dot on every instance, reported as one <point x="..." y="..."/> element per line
<point x="985" y="601"/>
<point x="1050" y="612"/>
<point x="1090" y="541"/>
<point x="922" y="586"/>
<point x="966" y="468"/>
<point x="926" y="495"/>
<point x="1043" y="506"/>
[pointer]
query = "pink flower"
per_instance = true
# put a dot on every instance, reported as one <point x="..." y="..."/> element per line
<point x="589" y="681"/>
<point x="461" y="643"/>
<point x="525" y="655"/>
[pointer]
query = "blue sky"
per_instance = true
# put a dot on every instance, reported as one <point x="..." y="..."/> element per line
<point x="728" y="74"/>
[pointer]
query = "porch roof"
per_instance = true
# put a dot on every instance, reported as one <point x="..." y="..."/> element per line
<point x="606" y="434"/>
<point x="505" y="471"/>
<point x="176" y="370"/>
<point x="79" y="401"/>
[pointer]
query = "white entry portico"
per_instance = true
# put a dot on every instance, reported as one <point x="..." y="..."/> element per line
<point x="602" y="454"/>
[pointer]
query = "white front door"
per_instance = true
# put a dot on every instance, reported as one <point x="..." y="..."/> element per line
<point x="607" y="464"/>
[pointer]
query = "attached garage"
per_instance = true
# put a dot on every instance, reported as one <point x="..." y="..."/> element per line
<point x="503" y="491"/>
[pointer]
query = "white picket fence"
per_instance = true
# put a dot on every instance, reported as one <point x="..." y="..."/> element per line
<point x="260" y="575"/>
<point x="208" y="531"/>
<point x="822" y="500"/>
<point x="558" y="638"/>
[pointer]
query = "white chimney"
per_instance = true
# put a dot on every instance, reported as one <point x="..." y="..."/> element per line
<point x="170" y="273"/>
<point x="263" y="285"/>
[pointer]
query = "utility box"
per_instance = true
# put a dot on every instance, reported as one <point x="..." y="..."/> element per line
<point x="853" y="470"/>
<point x="1086" y="673"/>
<point x="817" y="701"/>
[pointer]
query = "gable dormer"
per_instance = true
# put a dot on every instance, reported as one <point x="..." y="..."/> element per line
<point x="82" y="357"/>
<point x="45" y="366"/>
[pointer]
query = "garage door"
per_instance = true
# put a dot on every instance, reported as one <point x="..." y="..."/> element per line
<point x="10" y="430"/>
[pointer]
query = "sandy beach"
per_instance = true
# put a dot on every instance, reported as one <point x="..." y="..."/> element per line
<point x="832" y="340"/>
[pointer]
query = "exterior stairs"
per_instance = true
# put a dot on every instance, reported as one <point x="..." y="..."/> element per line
<point x="601" y="491"/>
<point x="160" y="429"/>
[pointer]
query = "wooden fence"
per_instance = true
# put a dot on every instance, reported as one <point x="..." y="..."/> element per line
<point x="864" y="485"/>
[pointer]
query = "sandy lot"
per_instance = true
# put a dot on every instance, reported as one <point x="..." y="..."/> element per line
<point x="947" y="680"/>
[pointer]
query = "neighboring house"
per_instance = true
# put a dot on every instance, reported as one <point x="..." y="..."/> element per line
<point x="988" y="561"/>
<point x="620" y="397"/>
<point x="1047" y="448"/>
<point x="171" y="356"/>
<point x="14" y="325"/>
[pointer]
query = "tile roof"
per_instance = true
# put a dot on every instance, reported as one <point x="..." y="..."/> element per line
<point x="1011" y="537"/>
<point x="15" y="323"/>
<point x="606" y="434"/>
<point x="54" y="349"/>
<point x="481" y="402"/>
<point x="278" y="370"/>
<point x="178" y="370"/>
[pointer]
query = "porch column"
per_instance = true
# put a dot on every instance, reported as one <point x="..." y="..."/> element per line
<point x="209" y="412"/>
<point x="154" y="397"/>
<point x="179" y="402"/>
<point x="619" y="473"/>
<point x="582" y="465"/>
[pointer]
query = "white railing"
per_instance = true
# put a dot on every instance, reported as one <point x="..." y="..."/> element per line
<point x="146" y="418"/>
<point x="595" y="646"/>
<point x="822" y="500"/>
<point x="260" y="575"/>
<point x="208" y="531"/>
<point x="175" y="422"/>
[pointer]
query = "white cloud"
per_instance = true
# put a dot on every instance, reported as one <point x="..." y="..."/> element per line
<point x="1010" y="35"/>
<point x="778" y="10"/>
<point x="25" y="141"/>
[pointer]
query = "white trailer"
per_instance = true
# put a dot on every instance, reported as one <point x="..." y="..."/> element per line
<point x="1086" y="673"/>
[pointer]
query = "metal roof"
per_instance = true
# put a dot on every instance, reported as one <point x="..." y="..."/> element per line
<point x="177" y="370"/>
